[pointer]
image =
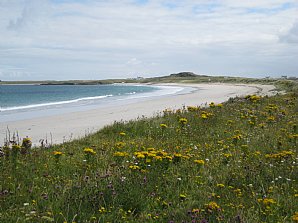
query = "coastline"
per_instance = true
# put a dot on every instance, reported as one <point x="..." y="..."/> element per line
<point x="61" y="128"/>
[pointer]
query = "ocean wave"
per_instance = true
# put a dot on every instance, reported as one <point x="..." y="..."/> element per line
<point x="53" y="103"/>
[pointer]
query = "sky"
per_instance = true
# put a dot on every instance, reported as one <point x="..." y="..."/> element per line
<point x="101" y="39"/>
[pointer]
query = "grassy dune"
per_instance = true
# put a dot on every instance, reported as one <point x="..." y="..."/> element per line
<point x="230" y="162"/>
<point x="290" y="83"/>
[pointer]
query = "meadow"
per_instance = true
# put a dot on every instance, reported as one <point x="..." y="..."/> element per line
<point x="229" y="162"/>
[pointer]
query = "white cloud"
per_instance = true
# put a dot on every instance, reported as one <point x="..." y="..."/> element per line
<point x="292" y="34"/>
<point x="102" y="39"/>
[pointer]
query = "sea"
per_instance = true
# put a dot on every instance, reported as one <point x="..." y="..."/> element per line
<point x="19" y="102"/>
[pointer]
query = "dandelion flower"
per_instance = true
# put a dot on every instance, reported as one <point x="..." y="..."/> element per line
<point x="89" y="151"/>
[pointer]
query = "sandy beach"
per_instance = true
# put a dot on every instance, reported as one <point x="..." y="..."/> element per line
<point x="62" y="128"/>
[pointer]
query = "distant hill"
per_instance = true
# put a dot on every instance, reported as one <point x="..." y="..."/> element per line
<point x="184" y="74"/>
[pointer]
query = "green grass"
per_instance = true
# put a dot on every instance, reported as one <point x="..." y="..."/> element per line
<point x="281" y="84"/>
<point x="235" y="162"/>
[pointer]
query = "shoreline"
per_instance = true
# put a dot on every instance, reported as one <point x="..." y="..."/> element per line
<point x="61" y="128"/>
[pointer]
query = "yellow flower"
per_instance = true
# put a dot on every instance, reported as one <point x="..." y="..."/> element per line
<point x="237" y="137"/>
<point x="134" y="167"/>
<point x="253" y="98"/>
<point x="192" y="108"/>
<point x="212" y="105"/>
<point x="159" y="158"/>
<point x="212" y="205"/>
<point x="120" y="144"/>
<point x="283" y="154"/>
<point x="163" y="126"/>
<point x="182" y="196"/>
<point x="120" y="154"/>
<point x="89" y="151"/>
<point x="57" y="153"/>
<point x="102" y="210"/>
<point x="267" y="201"/>
<point x="227" y="155"/>
<point x="122" y="133"/>
<point x="200" y="162"/>
<point x="140" y="155"/>
<point x="183" y="121"/>
<point x="178" y="155"/>
<point x="204" y="116"/>
<point x="295" y="216"/>
<point x="271" y="119"/>
<point x="16" y="148"/>
<point x="220" y="185"/>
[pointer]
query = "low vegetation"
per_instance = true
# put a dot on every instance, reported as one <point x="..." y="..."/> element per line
<point x="282" y="84"/>
<point x="230" y="162"/>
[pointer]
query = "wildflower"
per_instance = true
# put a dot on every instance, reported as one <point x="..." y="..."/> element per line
<point x="122" y="133"/>
<point x="139" y="155"/>
<point x="212" y="206"/>
<point x="262" y="125"/>
<point x="284" y="154"/>
<point x="57" y="153"/>
<point x="236" y="137"/>
<point x="204" y="116"/>
<point x="295" y="216"/>
<point x="177" y="157"/>
<point x="271" y="119"/>
<point x="134" y="167"/>
<point x="238" y="192"/>
<point x="220" y="185"/>
<point x="227" y="155"/>
<point x="120" y="144"/>
<point x="120" y="154"/>
<point x="192" y="108"/>
<point x="267" y="201"/>
<point x="230" y="122"/>
<point x="16" y="148"/>
<point x="253" y="98"/>
<point x="200" y="162"/>
<point x="183" y="121"/>
<point x="182" y="196"/>
<point x="158" y="158"/>
<point x="26" y="145"/>
<point x="163" y="126"/>
<point x="102" y="210"/>
<point x="89" y="151"/>
<point x="212" y="105"/>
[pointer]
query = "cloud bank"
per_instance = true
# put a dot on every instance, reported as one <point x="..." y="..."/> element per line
<point x="94" y="39"/>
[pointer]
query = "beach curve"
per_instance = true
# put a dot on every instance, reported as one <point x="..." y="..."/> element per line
<point x="61" y="128"/>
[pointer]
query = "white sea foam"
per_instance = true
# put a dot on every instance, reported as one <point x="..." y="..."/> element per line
<point x="161" y="90"/>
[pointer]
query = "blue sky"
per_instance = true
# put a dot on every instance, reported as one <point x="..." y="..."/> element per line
<point x="97" y="39"/>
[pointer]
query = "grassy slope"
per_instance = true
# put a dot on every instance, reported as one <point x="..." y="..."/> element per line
<point x="184" y="77"/>
<point x="235" y="163"/>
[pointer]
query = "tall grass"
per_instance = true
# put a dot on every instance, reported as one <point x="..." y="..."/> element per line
<point x="231" y="162"/>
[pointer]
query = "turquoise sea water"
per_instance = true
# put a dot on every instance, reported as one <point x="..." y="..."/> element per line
<point x="19" y="102"/>
<point x="14" y="97"/>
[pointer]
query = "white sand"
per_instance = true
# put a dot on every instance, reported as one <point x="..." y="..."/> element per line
<point x="65" y="127"/>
